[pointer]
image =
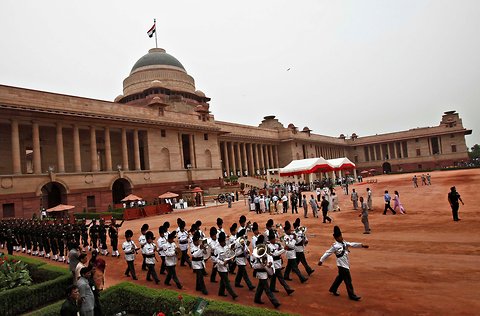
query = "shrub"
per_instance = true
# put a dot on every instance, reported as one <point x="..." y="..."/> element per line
<point x="26" y="298"/>
<point x="13" y="273"/>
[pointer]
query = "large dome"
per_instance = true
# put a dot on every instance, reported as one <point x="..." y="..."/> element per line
<point x="157" y="69"/>
<point x="157" y="57"/>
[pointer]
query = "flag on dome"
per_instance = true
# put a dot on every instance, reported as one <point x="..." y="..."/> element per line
<point x="152" y="30"/>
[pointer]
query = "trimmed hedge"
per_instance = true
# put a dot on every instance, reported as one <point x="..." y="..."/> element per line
<point x="26" y="298"/>
<point x="144" y="301"/>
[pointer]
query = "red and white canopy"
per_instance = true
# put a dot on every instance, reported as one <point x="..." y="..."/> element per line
<point x="305" y="166"/>
<point x="341" y="164"/>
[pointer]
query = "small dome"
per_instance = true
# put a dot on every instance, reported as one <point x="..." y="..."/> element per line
<point x="306" y="129"/>
<point x="200" y="93"/>
<point x="155" y="83"/>
<point x="157" y="57"/>
<point x="291" y="125"/>
<point x="118" y="98"/>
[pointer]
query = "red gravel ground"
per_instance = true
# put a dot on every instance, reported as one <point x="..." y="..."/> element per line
<point x="421" y="263"/>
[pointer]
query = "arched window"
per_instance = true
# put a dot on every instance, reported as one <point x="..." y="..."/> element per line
<point x="164" y="159"/>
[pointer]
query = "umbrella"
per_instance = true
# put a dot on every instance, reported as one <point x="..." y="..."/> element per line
<point x="197" y="189"/>
<point x="373" y="170"/>
<point x="131" y="197"/>
<point x="168" y="195"/>
<point x="364" y="172"/>
<point x="60" y="208"/>
<point x="347" y="172"/>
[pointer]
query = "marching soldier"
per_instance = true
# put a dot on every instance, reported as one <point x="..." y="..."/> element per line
<point x="256" y="234"/>
<point x="171" y="260"/>
<point x="263" y="267"/>
<point x="148" y="251"/>
<point x="231" y="242"/>
<point x="113" y="234"/>
<point x="198" y="265"/>
<point x="212" y="242"/>
<point x="183" y="244"/>
<point x="241" y="257"/>
<point x="161" y="243"/>
<point x="290" y="241"/>
<point x="277" y="251"/>
<point x="220" y="226"/>
<point x="222" y="265"/>
<point x="301" y="241"/>
<point x="94" y="235"/>
<point x="130" y="249"/>
<point x="84" y="233"/>
<point x="142" y="240"/>
<point x="102" y="234"/>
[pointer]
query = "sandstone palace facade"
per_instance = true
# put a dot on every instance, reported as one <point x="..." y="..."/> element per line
<point x="161" y="136"/>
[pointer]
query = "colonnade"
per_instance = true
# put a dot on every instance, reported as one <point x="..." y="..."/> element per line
<point x="392" y="150"/>
<point x="246" y="159"/>
<point x="76" y="141"/>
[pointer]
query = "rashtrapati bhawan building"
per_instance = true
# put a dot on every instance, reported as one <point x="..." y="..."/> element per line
<point x="160" y="135"/>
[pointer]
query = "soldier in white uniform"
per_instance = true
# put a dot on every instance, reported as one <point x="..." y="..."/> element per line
<point x="340" y="249"/>
<point x="171" y="260"/>
<point x="183" y="244"/>
<point x="148" y="251"/>
<point x="277" y="251"/>
<point x="213" y="244"/>
<point x="129" y="248"/>
<point x="241" y="257"/>
<point x="369" y="199"/>
<point x="198" y="265"/>
<point x="220" y="226"/>
<point x="222" y="265"/>
<point x="161" y="242"/>
<point x="256" y="234"/>
<point x="301" y="241"/>
<point x="268" y="227"/>
<point x="142" y="241"/>
<point x="290" y="241"/>
<point x="232" y="265"/>
<point x="263" y="267"/>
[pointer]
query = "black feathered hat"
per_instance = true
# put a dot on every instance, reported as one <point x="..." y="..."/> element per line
<point x="213" y="231"/>
<point x="144" y="227"/>
<point x="240" y="233"/>
<point x="198" y="223"/>
<point x="161" y="230"/>
<point x="149" y="235"/>
<point x="254" y="226"/>
<point x="128" y="233"/>
<point x="172" y="235"/>
<point x="270" y="223"/>
<point x="233" y="227"/>
<point x="297" y="220"/>
<point x="287" y="226"/>
<point x="181" y="224"/>
<point x="196" y="236"/>
<point x="337" y="232"/>
<point x="222" y="237"/>
<point x="242" y="219"/>
<point x="271" y="235"/>
<point x="219" y="221"/>
<point x="260" y="239"/>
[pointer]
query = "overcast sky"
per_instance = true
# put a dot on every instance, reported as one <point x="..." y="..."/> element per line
<point x="355" y="66"/>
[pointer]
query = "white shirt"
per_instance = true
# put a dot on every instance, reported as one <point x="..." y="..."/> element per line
<point x="276" y="250"/>
<point x="149" y="249"/>
<point x="142" y="240"/>
<point x="240" y="254"/>
<point x="291" y="245"/>
<point x="338" y="248"/>
<point x="183" y="240"/>
<point x="161" y="242"/>
<point x="275" y="198"/>
<point x="170" y="256"/>
<point x="222" y="266"/>
<point x="129" y="246"/>
<point x="77" y="271"/>
<point x="284" y="198"/>
<point x="254" y="240"/>
<point x="197" y="252"/>
<point x="258" y="264"/>
<point x="300" y="237"/>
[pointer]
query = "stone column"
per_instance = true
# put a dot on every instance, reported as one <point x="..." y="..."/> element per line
<point x="16" y="163"/>
<point x="93" y="149"/>
<point x="124" y="150"/>
<point x="225" y="155"/>
<point x="244" y="157"/>
<point x="193" y="160"/>
<point x="60" y="156"/>
<point x="270" y="155"/>
<point x="37" y="158"/>
<point x="262" y="158"/>
<point x="256" y="161"/>
<point x="108" y="150"/>
<point x="251" y="165"/>
<point x="277" y="164"/>
<point x="77" y="158"/>
<point x="136" y="150"/>
<point x="240" y="163"/>
<point x="232" y="159"/>
<point x="355" y="174"/>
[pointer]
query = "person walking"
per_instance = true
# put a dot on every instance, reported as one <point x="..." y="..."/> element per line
<point x="364" y="215"/>
<point x="369" y="199"/>
<point x="340" y="249"/>
<point x="334" y="198"/>
<point x="324" y="206"/>
<point x="130" y="249"/>
<point x="314" y="206"/>
<point x="453" y="198"/>
<point x="415" y="181"/>
<point x="87" y="298"/>
<point x="354" y="198"/>
<point x="397" y="203"/>
<point x="305" y="206"/>
<point x="285" y="202"/>
<point x="294" y="199"/>
<point x="71" y="306"/>
<point x="387" y="199"/>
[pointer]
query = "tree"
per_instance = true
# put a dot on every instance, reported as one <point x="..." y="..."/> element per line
<point x="475" y="152"/>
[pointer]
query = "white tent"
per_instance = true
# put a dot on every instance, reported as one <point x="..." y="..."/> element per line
<point x="305" y="166"/>
<point x="341" y="164"/>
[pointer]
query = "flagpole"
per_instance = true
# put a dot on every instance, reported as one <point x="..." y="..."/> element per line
<point x="155" y="23"/>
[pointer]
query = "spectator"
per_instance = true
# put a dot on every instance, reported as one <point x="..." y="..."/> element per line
<point x="81" y="264"/>
<point x="86" y="294"/>
<point x="71" y="306"/>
